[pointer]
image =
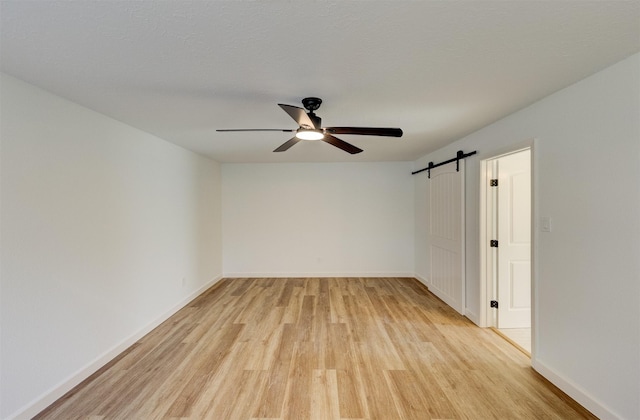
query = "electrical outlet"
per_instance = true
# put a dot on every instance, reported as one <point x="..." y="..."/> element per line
<point x="545" y="224"/>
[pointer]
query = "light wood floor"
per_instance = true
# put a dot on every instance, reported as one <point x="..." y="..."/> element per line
<point x="317" y="349"/>
<point x="520" y="337"/>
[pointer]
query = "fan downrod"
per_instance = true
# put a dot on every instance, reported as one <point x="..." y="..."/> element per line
<point x="311" y="103"/>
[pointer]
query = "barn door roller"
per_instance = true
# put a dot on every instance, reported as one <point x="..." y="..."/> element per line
<point x="460" y="155"/>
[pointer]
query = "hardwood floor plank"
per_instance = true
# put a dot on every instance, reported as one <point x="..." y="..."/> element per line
<point x="259" y="353"/>
<point x="324" y="395"/>
<point x="292" y="311"/>
<point x="317" y="348"/>
<point x="273" y="392"/>
<point x="339" y="349"/>
<point x="231" y="395"/>
<point x="241" y="286"/>
<point x="378" y="401"/>
<point x="410" y="398"/>
<point x="336" y="303"/>
<point x="306" y="324"/>
<point x="188" y="394"/>
<point x="349" y="398"/>
<point x="190" y="378"/>
<point x="298" y="402"/>
<point x="285" y="295"/>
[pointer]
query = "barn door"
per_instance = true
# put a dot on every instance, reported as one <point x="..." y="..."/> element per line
<point x="445" y="234"/>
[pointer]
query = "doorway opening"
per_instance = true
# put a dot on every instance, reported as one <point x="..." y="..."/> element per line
<point x="507" y="245"/>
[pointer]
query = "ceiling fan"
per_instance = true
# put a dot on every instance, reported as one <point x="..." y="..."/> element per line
<point x="310" y="128"/>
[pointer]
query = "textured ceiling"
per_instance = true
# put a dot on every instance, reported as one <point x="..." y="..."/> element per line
<point x="436" y="69"/>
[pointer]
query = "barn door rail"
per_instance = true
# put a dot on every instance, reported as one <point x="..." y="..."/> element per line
<point x="460" y="155"/>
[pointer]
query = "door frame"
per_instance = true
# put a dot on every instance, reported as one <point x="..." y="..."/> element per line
<point x="488" y="316"/>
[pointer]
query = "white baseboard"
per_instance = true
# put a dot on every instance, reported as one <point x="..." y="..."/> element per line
<point x="421" y="279"/>
<point x="49" y="397"/>
<point x="472" y="316"/>
<point x="314" y="275"/>
<point x="574" y="391"/>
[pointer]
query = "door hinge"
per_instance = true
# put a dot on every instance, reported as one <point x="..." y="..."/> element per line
<point x="493" y="243"/>
<point x="493" y="183"/>
<point x="494" y="303"/>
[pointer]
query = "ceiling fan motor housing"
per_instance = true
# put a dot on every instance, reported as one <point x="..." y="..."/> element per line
<point x="311" y="103"/>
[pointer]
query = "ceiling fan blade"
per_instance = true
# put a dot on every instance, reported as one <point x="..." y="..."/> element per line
<point x="366" y="131"/>
<point x="287" y="144"/>
<point x="257" y="129"/>
<point x="299" y="115"/>
<point x="340" y="144"/>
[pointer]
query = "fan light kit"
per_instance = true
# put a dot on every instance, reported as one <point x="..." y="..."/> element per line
<point x="303" y="134"/>
<point x="310" y="128"/>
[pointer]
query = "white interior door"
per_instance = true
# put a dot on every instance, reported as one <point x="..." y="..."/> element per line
<point x="514" y="240"/>
<point x="445" y="236"/>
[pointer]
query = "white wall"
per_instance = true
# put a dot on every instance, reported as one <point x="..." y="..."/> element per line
<point x="320" y="219"/>
<point x="100" y="224"/>
<point x="587" y="295"/>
